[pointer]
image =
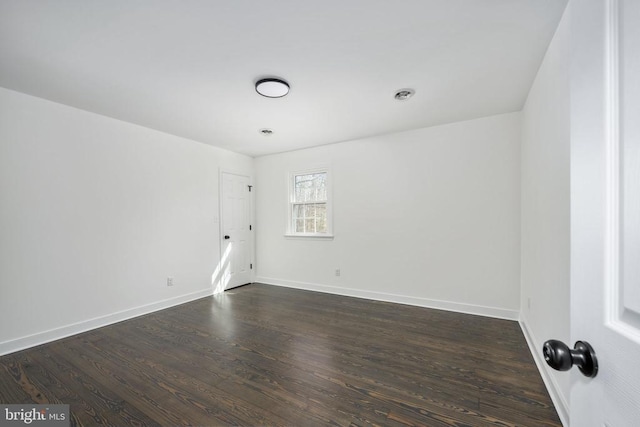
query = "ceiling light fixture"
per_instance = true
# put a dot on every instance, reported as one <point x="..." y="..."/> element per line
<point x="266" y="132"/>
<point x="272" y="87"/>
<point x="404" y="94"/>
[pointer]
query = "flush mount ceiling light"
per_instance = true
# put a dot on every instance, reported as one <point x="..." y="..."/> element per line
<point x="404" y="94"/>
<point x="266" y="132"/>
<point x="272" y="87"/>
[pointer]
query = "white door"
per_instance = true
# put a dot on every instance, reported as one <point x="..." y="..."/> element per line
<point x="236" y="248"/>
<point x="605" y="209"/>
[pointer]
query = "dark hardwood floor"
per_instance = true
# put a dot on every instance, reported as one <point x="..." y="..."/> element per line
<point x="264" y="355"/>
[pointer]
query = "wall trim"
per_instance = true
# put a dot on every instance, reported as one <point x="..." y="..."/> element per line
<point x="558" y="399"/>
<point x="40" y="338"/>
<point x="478" y="310"/>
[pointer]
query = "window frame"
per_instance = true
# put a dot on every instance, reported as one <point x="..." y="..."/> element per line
<point x="290" y="229"/>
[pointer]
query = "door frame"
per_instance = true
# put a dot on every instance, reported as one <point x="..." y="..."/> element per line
<point x="217" y="288"/>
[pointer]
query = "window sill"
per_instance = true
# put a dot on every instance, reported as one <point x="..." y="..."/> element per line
<point x="309" y="236"/>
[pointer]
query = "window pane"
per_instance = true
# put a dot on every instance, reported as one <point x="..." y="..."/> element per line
<point x="322" y="193"/>
<point x="310" y="187"/>
<point x="299" y="226"/>
<point x="310" y="226"/>
<point x="321" y="218"/>
<point x="320" y="187"/>
<point x="304" y="179"/>
<point x="303" y="187"/>
<point x="309" y="211"/>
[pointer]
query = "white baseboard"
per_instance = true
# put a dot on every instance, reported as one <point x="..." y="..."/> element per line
<point x="553" y="388"/>
<point x="478" y="310"/>
<point x="22" y="343"/>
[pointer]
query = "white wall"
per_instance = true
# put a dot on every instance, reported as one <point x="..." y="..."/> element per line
<point x="95" y="214"/>
<point x="428" y="217"/>
<point x="545" y="210"/>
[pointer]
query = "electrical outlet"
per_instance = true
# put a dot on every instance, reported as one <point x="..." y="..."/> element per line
<point x="337" y="272"/>
<point x="169" y="281"/>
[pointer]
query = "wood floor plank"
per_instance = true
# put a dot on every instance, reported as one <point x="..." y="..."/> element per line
<point x="265" y="355"/>
<point x="100" y="404"/>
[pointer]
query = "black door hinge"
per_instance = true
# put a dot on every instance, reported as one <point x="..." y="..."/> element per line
<point x="250" y="187"/>
<point x="250" y="266"/>
<point x="250" y="228"/>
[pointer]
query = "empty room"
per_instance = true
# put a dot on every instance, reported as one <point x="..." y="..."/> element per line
<point x="310" y="213"/>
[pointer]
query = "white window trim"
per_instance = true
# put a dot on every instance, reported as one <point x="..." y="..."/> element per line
<point x="289" y="233"/>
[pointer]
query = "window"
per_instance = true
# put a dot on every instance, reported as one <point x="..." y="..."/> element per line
<point x="309" y="209"/>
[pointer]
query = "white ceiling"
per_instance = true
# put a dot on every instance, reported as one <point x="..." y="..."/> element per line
<point x="188" y="67"/>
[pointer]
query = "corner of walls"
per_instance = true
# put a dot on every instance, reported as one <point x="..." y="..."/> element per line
<point x="545" y="208"/>
<point x="97" y="214"/>
<point x="558" y="398"/>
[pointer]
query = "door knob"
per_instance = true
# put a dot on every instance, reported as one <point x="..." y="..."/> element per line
<point x="561" y="358"/>
<point x="227" y="237"/>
